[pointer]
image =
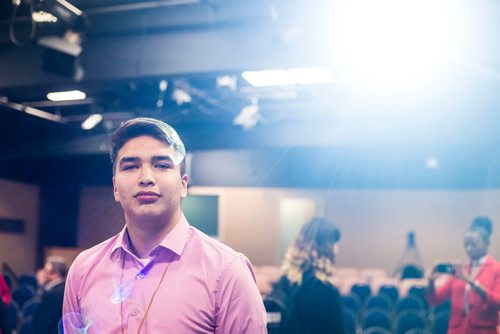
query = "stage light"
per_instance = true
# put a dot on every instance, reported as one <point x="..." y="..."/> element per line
<point x="180" y="96"/>
<point x="229" y="81"/>
<point x="64" y="11"/>
<point x="249" y="115"/>
<point x="163" y="85"/>
<point x="66" y="95"/>
<point x="61" y="45"/>
<point x="63" y="25"/>
<point x="91" y="121"/>
<point x="43" y="17"/>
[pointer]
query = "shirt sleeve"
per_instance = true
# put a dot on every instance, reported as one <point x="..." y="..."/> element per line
<point x="441" y="294"/>
<point x="493" y="290"/>
<point x="239" y="306"/>
<point x="72" y="318"/>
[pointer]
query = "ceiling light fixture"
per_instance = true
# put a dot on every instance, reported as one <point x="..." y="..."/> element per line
<point x="302" y="76"/>
<point x="65" y="11"/>
<point x="229" y="81"/>
<point x="66" y="95"/>
<point x="43" y="17"/>
<point x="91" y="121"/>
<point x="180" y="96"/>
<point x="249" y="115"/>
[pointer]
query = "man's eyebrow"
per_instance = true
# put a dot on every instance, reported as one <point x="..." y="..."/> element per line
<point x="125" y="160"/>
<point x="162" y="157"/>
<point x="128" y="159"/>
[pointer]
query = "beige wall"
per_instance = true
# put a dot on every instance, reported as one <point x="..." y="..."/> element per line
<point x="374" y="223"/>
<point x="19" y="201"/>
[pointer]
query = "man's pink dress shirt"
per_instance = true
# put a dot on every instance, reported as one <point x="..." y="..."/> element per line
<point x="207" y="288"/>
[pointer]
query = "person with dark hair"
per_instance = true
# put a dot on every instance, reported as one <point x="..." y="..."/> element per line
<point x="314" y="303"/>
<point x="474" y="289"/>
<point x="159" y="274"/>
<point x="49" y="312"/>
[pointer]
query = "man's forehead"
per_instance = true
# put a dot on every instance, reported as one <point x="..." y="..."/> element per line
<point x="143" y="144"/>
<point x="147" y="152"/>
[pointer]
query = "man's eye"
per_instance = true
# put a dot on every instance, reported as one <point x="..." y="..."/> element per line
<point x="129" y="167"/>
<point x="163" y="165"/>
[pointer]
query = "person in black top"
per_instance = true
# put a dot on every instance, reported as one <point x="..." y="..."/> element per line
<point x="46" y="318"/>
<point x="314" y="303"/>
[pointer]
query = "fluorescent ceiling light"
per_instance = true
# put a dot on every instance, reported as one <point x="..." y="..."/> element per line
<point x="302" y="76"/>
<point x="66" y="96"/>
<point x="42" y="16"/>
<point x="91" y="121"/>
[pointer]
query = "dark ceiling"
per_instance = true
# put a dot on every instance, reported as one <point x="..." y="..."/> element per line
<point x="327" y="135"/>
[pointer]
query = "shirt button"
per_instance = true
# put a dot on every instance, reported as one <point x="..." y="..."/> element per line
<point x="134" y="312"/>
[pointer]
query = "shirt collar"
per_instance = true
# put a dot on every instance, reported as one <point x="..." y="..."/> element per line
<point x="175" y="240"/>
<point x="52" y="284"/>
<point x="479" y="262"/>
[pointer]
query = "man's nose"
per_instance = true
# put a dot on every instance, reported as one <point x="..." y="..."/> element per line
<point x="146" y="177"/>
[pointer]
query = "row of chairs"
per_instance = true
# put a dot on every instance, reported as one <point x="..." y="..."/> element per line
<point x="364" y="312"/>
<point x="18" y="318"/>
<point x="378" y="320"/>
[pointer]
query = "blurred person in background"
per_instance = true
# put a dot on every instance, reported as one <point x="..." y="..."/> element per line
<point x="474" y="289"/>
<point x="52" y="281"/>
<point x="314" y="303"/>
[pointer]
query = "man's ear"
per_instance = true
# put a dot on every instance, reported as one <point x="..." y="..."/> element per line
<point x="184" y="191"/>
<point x="115" y="191"/>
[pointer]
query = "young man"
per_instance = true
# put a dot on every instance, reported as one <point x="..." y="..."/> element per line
<point x="159" y="274"/>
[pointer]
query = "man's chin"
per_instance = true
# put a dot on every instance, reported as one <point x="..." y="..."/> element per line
<point x="150" y="213"/>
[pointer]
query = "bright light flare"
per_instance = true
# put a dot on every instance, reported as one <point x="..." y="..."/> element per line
<point x="267" y="78"/>
<point x="294" y="76"/>
<point x="395" y="42"/>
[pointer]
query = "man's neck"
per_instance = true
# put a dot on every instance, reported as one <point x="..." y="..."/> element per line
<point x="144" y="236"/>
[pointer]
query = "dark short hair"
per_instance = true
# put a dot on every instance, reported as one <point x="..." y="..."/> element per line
<point x="483" y="226"/>
<point x="58" y="265"/>
<point x="145" y="126"/>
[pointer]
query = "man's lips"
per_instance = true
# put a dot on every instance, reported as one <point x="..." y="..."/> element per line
<point x="147" y="196"/>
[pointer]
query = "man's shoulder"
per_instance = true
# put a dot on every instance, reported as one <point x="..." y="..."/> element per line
<point x="95" y="253"/>
<point x="212" y="245"/>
